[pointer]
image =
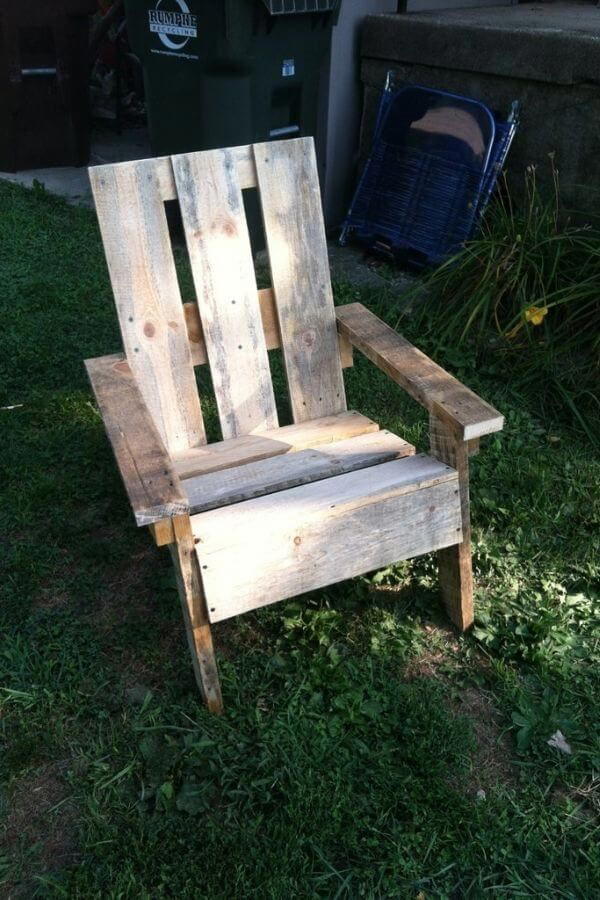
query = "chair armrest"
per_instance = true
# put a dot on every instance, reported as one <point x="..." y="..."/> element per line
<point x="150" y="481"/>
<point x="467" y="415"/>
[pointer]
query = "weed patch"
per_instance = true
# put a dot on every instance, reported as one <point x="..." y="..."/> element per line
<point x="524" y="296"/>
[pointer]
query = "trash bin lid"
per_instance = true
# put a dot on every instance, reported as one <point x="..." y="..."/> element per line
<point x="278" y="7"/>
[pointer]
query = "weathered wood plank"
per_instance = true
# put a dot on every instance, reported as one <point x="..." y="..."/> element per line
<point x="270" y="324"/>
<point x="162" y="532"/>
<point x="218" y="244"/>
<point x="244" y="162"/>
<point x="241" y="452"/>
<point x="136" y="240"/>
<point x="289" y="439"/>
<point x="197" y="626"/>
<point x="290" y="470"/>
<point x="346" y="352"/>
<point x="454" y="563"/>
<point x="291" y="205"/>
<point x="268" y="315"/>
<point x="438" y="391"/>
<point x="165" y="178"/>
<point x="264" y="550"/>
<point x="473" y="447"/>
<point x="150" y="481"/>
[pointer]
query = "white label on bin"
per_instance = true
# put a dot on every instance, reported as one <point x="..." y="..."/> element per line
<point x="288" y="67"/>
<point x="168" y="25"/>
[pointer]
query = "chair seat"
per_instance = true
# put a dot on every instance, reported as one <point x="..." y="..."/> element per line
<point x="277" y="473"/>
<point x="261" y="550"/>
<point x="262" y="445"/>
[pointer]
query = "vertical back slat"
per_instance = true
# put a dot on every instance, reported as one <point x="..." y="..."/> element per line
<point x="218" y="244"/>
<point x="291" y="204"/>
<point x="142" y="270"/>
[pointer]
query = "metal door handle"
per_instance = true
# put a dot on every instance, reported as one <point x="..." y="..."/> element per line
<point x="38" y="72"/>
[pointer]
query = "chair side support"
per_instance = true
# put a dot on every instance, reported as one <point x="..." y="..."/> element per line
<point x="195" y="615"/>
<point x="455" y="563"/>
<point x="462" y="411"/>
<point x="458" y="418"/>
<point x="150" y="480"/>
<point x="157" y="500"/>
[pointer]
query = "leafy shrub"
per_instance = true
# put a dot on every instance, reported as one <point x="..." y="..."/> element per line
<point x="527" y="290"/>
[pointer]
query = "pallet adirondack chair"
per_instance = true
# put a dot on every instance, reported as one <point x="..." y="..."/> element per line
<point x="268" y="512"/>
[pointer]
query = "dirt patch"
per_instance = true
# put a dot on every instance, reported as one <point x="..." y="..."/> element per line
<point x="125" y="592"/>
<point x="583" y="800"/>
<point x="139" y="594"/>
<point x="135" y="670"/>
<point x="51" y="599"/>
<point x="589" y="792"/>
<point x="426" y="665"/>
<point x="41" y="826"/>
<point x="135" y="667"/>
<point x="492" y="759"/>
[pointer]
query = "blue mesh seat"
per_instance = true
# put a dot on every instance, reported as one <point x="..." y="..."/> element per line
<point x="434" y="163"/>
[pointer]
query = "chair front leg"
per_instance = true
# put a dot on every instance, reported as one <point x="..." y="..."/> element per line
<point x="195" y="615"/>
<point x="454" y="563"/>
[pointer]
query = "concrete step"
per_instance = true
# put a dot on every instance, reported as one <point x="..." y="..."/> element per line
<point x="546" y="55"/>
<point x="552" y="42"/>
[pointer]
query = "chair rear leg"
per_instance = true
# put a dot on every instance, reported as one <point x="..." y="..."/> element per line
<point x="454" y="563"/>
<point x="195" y="615"/>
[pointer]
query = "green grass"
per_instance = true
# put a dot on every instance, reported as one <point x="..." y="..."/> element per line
<point x="358" y="728"/>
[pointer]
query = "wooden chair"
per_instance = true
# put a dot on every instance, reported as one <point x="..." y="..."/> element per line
<point x="268" y="512"/>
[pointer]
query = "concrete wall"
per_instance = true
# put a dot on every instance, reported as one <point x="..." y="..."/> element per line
<point x="345" y="106"/>
<point x="426" y="5"/>
<point x="498" y="56"/>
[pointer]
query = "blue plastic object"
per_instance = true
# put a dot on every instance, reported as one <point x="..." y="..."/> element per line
<point x="433" y="166"/>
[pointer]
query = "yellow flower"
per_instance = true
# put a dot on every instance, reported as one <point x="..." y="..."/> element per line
<point x="536" y="314"/>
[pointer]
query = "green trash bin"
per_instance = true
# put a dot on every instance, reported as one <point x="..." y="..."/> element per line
<point x="223" y="72"/>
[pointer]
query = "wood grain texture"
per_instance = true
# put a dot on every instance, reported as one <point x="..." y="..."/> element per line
<point x="288" y="439"/>
<point x="264" y="550"/>
<point x="197" y="626"/>
<point x="438" y="391"/>
<point x="152" y="485"/>
<point x="165" y="178"/>
<point x="281" y="472"/>
<point x="268" y="315"/>
<point x="136" y="240"/>
<point x="293" y="220"/>
<point x="244" y="163"/>
<point x="218" y="243"/>
<point x="240" y="453"/>
<point x="454" y="563"/>
<point x="162" y="532"/>
<point x="270" y="324"/>
<point x="346" y="352"/>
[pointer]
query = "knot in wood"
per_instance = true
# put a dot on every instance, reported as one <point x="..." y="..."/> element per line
<point x="308" y="338"/>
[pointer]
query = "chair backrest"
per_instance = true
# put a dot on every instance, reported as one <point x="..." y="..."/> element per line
<point x="230" y="325"/>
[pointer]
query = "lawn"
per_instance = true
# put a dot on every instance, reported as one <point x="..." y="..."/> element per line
<point x="366" y="749"/>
